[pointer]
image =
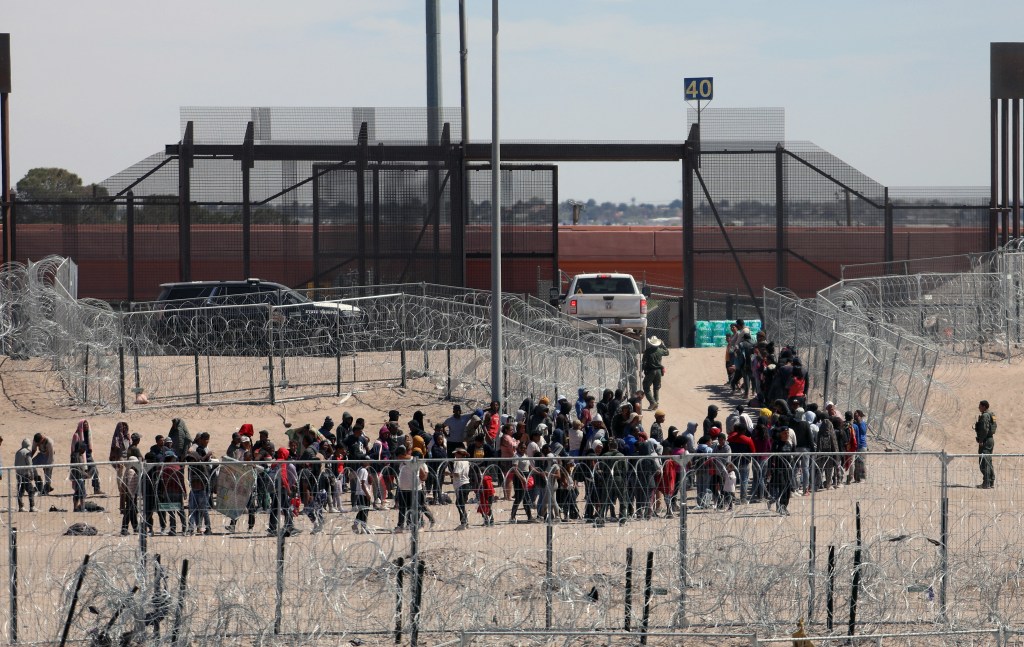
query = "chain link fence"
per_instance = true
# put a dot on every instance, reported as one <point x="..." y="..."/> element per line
<point x="265" y="348"/>
<point x="878" y="343"/>
<point x="914" y="548"/>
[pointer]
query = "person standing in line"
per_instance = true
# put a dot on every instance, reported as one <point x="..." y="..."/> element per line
<point x="285" y="481"/>
<point x="361" y="498"/>
<point x="984" y="432"/>
<point x="129" y="486"/>
<point x="456" y="426"/>
<point x="460" y="481"/>
<point x="84" y="435"/>
<point x="860" y="427"/>
<point x="653" y="370"/>
<point x="171" y="492"/>
<point x="181" y="439"/>
<point x="711" y="421"/>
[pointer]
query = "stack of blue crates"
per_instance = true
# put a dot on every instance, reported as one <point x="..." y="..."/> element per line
<point x="714" y="334"/>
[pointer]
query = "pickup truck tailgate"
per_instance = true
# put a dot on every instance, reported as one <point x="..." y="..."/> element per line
<point x="601" y="306"/>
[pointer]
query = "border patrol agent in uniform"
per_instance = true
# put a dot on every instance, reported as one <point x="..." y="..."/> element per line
<point x="984" y="432"/>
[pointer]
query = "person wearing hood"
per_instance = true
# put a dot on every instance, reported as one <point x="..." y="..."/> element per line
<point x="581" y="402"/>
<point x="712" y="420"/>
<point x="563" y="414"/>
<point x="79" y="472"/>
<point x="689" y="437"/>
<point x="171" y="492"/>
<point x="646" y="473"/>
<point x="805" y="444"/>
<point x="701" y="466"/>
<point x="83" y="435"/>
<point x="540" y="416"/>
<point x="181" y="439"/>
<point x="779" y="472"/>
<point x="828" y="466"/>
<point x="344" y="429"/>
<point x="620" y="422"/>
<point x="286" y="481"/>
<point x="739" y="415"/>
<point x="25" y="475"/>
<point x="606" y="406"/>
<point x="325" y="431"/>
<point x="742" y="448"/>
<point x="613" y="474"/>
<point x="416" y="424"/>
<point x="120" y="442"/>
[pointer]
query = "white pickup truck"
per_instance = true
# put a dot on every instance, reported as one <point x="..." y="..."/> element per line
<point x="610" y="300"/>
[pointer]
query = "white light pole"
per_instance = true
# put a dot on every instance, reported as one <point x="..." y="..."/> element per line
<point x="497" y="376"/>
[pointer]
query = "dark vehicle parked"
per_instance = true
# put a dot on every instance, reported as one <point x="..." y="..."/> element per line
<point x="253" y="317"/>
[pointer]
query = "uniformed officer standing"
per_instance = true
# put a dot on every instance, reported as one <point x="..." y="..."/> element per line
<point x="984" y="432"/>
<point x="653" y="369"/>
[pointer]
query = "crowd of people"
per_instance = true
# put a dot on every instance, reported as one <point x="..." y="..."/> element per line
<point x="595" y="459"/>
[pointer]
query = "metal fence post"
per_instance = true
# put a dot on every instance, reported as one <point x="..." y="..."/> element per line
<point x="281" y="526"/>
<point x="196" y="364"/>
<point x="549" y="553"/>
<point x="812" y="547"/>
<point x="681" y="550"/>
<point x="828" y="363"/>
<point x="121" y="384"/>
<point x="426" y="352"/>
<point x="944" y="536"/>
<point x="401" y="340"/>
<point x="270" y="352"/>
<point x="12" y="549"/>
<point x="448" y="360"/>
<point x="414" y="549"/>
<point x="337" y="356"/>
<point x="140" y="515"/>
<point x="628" y="613"/>
<point x="85" y="384"/>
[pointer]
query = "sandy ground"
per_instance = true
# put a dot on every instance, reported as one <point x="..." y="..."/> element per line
<point x="30" y="401"/>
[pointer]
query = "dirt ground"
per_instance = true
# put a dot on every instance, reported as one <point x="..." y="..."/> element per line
<point x="31" y="401"/>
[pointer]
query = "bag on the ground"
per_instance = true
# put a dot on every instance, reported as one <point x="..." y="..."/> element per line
<point x="80" y="530"/>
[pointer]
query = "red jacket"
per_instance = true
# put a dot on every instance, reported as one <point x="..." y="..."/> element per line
<point x="738" y="440"/>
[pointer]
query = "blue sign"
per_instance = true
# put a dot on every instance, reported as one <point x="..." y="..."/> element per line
<point x="700" y="88"/>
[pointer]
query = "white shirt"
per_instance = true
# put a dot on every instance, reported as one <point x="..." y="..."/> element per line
<point x="533" y="450"/>
<point x="730" y="482"/>
<point x="363" y="478"/>
<point x="460" y="473"/>
<point x="408" y="477"/>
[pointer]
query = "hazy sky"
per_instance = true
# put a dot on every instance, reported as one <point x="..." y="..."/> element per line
<point x="898" y="89"/>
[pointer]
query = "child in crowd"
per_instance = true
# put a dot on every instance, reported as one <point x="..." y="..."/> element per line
<point x="485" y="496"/>
<point x="729" y="486"/>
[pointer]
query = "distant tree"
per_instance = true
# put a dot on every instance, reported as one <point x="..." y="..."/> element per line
<point x="50" y="184"/>
<point x="66" y="197"/>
